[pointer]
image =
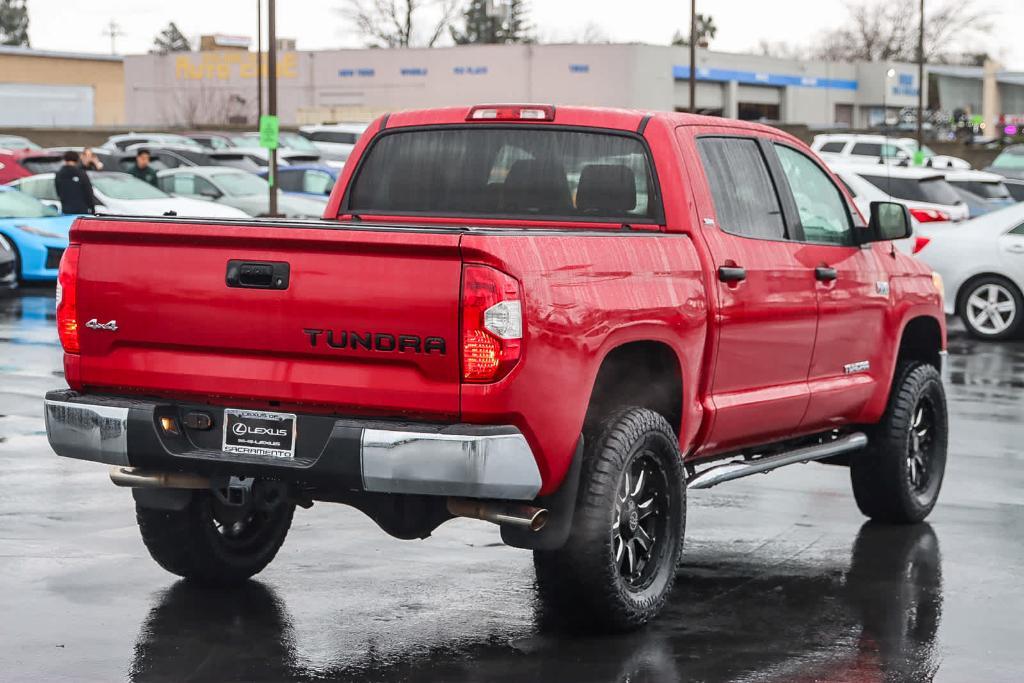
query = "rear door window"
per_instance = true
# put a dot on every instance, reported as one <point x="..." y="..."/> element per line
<point x="317" y="182"/>
<point x="833" y="147"/>
<point x="333" y="136"/>
<point x="986" y="189"/>
<point x="875" y="149"/>
<point x="36" y="165"/>
<point x="289" y="181"/>
<point x="931" y="190"/>
<point x="745" y="199"/>
<point x="521" y="172"/>
<point x="40" y="188"/>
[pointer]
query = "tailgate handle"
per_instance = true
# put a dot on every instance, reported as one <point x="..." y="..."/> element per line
<point x="258" y="274"/>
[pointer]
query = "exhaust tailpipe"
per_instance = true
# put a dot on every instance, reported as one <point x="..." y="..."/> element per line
<point x="514" y="514"/>
<point x="138" y="479"/>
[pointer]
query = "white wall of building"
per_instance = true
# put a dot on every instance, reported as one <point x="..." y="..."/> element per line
<point x="205" y="88"/>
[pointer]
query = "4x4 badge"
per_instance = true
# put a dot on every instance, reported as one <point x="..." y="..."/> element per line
<point x="95" y="324"/>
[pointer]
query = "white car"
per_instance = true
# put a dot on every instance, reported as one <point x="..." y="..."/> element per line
<point x="236" y="188"/>
<point x="982" y="267"/>
<point x="336" y="139"/>
<point x="933" y="203"/>
<point x="120" y="143"/>
<point x="125" y="195"/>
<point x="872" y="149"/>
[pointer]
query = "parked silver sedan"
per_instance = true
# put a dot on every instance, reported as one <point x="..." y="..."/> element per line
<point x="237" y="188"/>
<point x="981" y="262"/>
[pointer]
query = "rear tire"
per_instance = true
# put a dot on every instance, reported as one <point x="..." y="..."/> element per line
<point x="617" y="569"/>
<point x="897" y="478"/>
<point x="212" y="543"/>
<point x="992" y="308"/>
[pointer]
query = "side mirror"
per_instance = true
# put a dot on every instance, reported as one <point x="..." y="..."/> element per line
<point x="889" y="221"/>
<point x="210" y="194"/>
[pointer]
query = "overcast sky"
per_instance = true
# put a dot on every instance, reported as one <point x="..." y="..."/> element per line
<point x="80" y="24"/>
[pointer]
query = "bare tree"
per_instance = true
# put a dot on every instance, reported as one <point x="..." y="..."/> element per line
<point x="592" y="33"/>
<point x="879" y="30"/>
<point x="205" y="106"/>
<point x="781" y="50"/>
<point x="398" y="23"/>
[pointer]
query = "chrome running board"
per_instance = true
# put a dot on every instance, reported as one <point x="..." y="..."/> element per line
<point x="738" y="469"/>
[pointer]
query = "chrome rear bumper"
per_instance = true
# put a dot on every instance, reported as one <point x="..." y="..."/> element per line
<point x="468" y="461"/>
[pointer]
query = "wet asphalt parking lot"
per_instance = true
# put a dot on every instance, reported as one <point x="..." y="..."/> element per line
<point x="782" y="579"/>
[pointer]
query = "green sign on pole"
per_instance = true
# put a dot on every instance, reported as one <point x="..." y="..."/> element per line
<point x="269" y="129"/>
<point x="919" y="157"/>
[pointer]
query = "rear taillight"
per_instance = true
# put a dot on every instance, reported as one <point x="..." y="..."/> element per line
<point x="512" y="112"/>
<point x="920" y="243"/>
<point x="67" y="300"/>
<point x="929" y="215"/>
<point x="492" y="324"/>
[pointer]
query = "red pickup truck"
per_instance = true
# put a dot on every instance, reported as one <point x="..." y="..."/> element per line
<point x="557" y="320"/>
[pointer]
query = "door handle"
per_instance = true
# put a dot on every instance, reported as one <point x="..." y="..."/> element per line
<point x="732" y="274"/>
<point x="825" y="274"/>
<point x="258" y="274"/>
<point x="1016" y="249"/>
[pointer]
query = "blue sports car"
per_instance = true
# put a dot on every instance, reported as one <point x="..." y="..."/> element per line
<point x="35" y="233"/>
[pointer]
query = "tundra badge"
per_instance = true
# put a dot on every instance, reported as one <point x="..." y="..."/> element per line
<point x="860" y="366"/>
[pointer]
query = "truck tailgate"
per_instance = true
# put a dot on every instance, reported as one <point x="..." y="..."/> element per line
<point x="367" y="322"/>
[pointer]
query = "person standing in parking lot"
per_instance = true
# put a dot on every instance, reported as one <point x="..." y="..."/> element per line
<point x="90" y="162"/>
<point x="73" y="187"/>
<point x="142" y="170"/>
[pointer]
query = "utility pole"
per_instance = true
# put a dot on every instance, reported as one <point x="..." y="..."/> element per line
<point x="259" y="60"/>
<point x="272" y="96"/>
<point x="693" y="56"/>
<point x="113" y="30"/>
<point x="920" y="81"/>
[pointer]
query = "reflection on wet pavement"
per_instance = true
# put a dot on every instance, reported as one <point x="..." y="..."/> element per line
<point x="781" y="581"/>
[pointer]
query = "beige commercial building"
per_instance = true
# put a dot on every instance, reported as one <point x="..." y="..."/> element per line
<point x="218" y="87"/>
<point x="42" y="88"/>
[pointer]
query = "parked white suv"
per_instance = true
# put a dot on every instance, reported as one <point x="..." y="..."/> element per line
<point x="334" y="138"/>
<point x="873" y="149"/>
<point x="932" y="201"/>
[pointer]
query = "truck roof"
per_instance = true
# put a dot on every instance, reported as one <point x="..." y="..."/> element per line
<point x="597" y="117"/>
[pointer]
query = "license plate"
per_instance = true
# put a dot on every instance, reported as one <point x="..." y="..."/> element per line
<point x="254" y="432"/>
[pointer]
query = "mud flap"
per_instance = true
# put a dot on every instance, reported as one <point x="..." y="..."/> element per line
<point x="561" y="506"/>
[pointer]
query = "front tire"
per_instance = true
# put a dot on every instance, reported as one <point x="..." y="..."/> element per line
<point x="992" y="308"/>
<point x="617" y="569"/>
<point x="213" y="543"/>
<point x="897" y="478"/>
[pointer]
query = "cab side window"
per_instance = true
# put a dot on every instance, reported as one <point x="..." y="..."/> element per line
<point x="745" y="199"/>
<point x="820" y="205"/>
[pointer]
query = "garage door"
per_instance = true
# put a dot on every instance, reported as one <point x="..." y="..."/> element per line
<point x="23" y="104"/>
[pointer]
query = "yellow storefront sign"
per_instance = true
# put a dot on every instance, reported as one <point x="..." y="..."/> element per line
<point x="223" y="66"/>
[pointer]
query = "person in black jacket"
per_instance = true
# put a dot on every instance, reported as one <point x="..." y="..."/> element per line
<point x="73" y="187"/>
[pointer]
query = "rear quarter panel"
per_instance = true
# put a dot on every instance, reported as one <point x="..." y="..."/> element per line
<point x="584" y="294"/>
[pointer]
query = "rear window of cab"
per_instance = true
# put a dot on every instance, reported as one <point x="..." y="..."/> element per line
<point x="507" y="172"/>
